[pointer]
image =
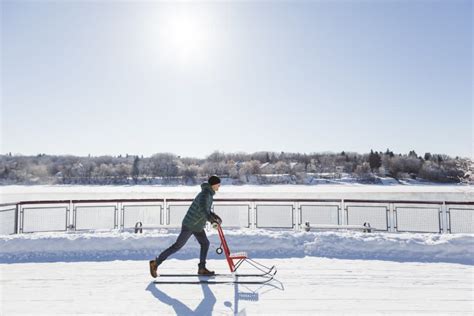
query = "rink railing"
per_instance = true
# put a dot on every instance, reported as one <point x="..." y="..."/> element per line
<point x="291" y="214"/>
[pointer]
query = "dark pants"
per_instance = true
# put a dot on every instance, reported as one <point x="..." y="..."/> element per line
<point x="181" y="241"/>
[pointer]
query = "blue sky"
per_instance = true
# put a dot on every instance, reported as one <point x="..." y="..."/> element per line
<point x="110" y="77"/>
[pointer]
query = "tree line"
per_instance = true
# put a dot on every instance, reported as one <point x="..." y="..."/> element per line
<point x="239" y="168"/>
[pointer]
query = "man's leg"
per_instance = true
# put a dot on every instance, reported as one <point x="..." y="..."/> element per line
<point x="204" y="242"/>
<point x="180" y="242"/>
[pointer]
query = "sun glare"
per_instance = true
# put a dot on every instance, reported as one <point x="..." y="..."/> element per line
<point x="183" y="35"/>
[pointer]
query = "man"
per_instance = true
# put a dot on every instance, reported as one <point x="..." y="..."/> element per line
<point x="193" y="224"/>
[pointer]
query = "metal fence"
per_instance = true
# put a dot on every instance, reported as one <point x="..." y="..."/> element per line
<point x="8" y="219"/>
<point x="389" y="216"/>
<point x="44" y="218"/>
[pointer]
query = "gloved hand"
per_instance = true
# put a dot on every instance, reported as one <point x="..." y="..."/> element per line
<point x="214" y="218"/>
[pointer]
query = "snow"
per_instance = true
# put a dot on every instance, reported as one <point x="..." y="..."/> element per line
<point x="305" y="286"/>
<point x="319" y="272"/>
<point x="17" y="193"/>
<point x="402" y="247"/>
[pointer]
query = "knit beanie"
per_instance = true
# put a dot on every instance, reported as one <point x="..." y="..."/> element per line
<point x="214" y="180"/>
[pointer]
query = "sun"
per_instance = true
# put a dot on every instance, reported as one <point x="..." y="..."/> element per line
<point x="183" y="35"/>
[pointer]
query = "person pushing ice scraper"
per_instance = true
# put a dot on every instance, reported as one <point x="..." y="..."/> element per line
<point x="193" y="224"/>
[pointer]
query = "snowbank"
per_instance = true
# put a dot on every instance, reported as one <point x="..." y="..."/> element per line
<point x="52" y="247"/>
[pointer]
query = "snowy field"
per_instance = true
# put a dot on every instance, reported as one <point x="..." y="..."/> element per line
<point x="305" y="286"/>
<point x="17" y="193"/>
<point x="319" y="273"/>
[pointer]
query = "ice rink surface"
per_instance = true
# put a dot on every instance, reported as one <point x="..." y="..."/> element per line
<point x="303" y="286"/>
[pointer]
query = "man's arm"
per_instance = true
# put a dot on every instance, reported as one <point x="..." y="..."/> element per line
<point x="206" y="204"/>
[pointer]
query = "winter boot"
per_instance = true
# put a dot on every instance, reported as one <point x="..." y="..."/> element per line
<point x="153" y="268"/>
<point x="204" y="271"/>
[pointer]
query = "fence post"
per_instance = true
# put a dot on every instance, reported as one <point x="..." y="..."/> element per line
<point x="343" y="214"/>
<point x="254" y="215"/>
<point x="17" y="214"/>
<point x="167" y="214"/>
<point x="163" y="213"/>
<point x="118" y="210"/>
<point x="71" y="222"/>
<point x="74" y="216"/>
<point x="391" y="218"/>
<point x="122" y="217"/>
<point x="20" y="218"/>
<point x="446" y="224"/>
<point x="299" y="218"/>
<point x="296" y="221"/>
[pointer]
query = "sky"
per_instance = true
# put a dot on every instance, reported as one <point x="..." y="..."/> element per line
<point x="115" y="77"/>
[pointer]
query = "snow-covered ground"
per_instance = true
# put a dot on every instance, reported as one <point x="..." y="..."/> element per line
<point x="403" y="247"/>
<point x="304" y="286"/>
<point x="107" y="274"/>
<point x="16" y="193"/>
<point x="319" y="273"/>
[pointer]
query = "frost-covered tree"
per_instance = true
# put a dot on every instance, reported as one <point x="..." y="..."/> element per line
<point x="412" y="164"/>
<point x="363" y="171"/>
<point x="123" y="170"/>
<point x="216" y="157"/>
<point x="395" y="166"/>
<point x="164" y="165"/>
<point x="232" y="170"/>
<point x="412" y="154"/>
<point x="190" y="173"/>
<point x="43" y="168"/>
<point x="250" y="168"/>
<point x="282" y="167"/>
<point x="375" y="161"/>
<point x="214" y="167"/>
<point x="136" y="169"/>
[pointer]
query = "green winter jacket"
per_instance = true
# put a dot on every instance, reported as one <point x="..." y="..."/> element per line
<point x="200" y="210"/>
